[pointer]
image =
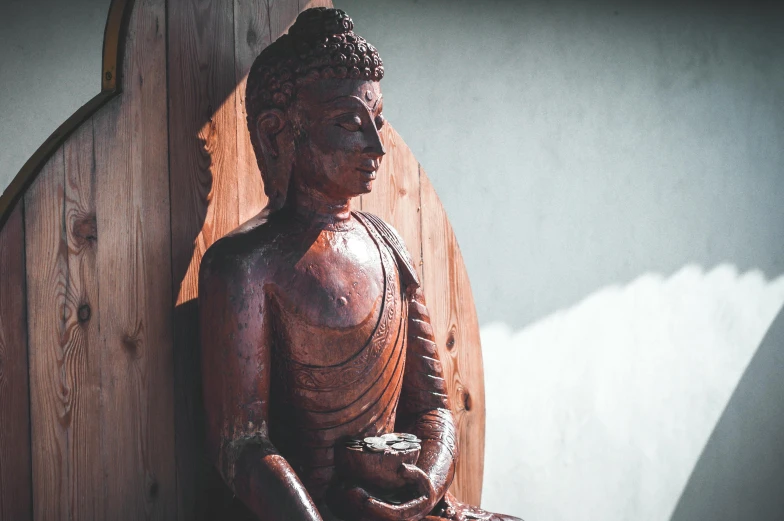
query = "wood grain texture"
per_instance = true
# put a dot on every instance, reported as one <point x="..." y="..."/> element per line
<point x="65" y="351"/>
<point x="202" y="133"/>
<point x="134" y="277"/>
<point x="453" y="316"/>
<point x="252" y="33"/>
<point x="307" y="4"/>
<point x="51" y="352"/>
<point x="215" y="185"/>
<point x="15" y="463"/>
<point x="204" y="206"/>
<point x="81" y="344"/>
<point x="395" y="195"/>
<point x="257" y="23"/>
<point x="113" y="39"/>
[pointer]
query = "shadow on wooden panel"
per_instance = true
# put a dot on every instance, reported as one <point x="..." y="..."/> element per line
<point x="215" y="184"/>
<point x="15" y="457"/>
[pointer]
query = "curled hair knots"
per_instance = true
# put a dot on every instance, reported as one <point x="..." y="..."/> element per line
<point x="320" y="45"/>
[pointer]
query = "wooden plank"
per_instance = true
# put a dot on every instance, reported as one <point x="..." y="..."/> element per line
<point x="257" y="23"/>
<point x="65" y="350"/>
<point x="252" y="27"/>
<point x="49" y="327"/>
<point x="15" y="463"/>
<point x="80" y="342"/>
<point x="204" y="163"/>
<point x="202" y="133"/>
<point x="134" y="275"/>
<point x="307" y="4"/>
<point x="395" y="195"/>
<point x="453" y="315"/>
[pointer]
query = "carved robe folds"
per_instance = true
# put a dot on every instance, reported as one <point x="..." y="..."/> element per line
<point x="309" y="386"/>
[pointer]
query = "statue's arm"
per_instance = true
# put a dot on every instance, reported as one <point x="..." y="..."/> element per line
<point x="424" y="403"/>
<point x="235" y="342"/>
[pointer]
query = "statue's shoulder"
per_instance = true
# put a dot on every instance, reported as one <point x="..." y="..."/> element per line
<point x="387" y="230"/>
<point x="246" y="246"/>
<point x="389" y="236"/>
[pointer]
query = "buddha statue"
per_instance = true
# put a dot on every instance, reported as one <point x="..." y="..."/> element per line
<point x="314" y="330"/>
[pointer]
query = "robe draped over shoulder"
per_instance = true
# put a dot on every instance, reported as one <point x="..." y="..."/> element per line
<point x="318" y="406"/>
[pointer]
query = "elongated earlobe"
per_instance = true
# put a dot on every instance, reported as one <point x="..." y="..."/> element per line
<point x="269" y="124"/>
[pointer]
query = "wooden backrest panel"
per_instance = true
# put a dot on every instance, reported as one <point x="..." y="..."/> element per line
<point x="104" y="265"/>
<point x="99" y="303"/>
<point x="15" y="469"/>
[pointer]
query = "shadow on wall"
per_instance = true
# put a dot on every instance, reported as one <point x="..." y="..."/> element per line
<point x="612" y="401"/>
<point x="740" y="473"/>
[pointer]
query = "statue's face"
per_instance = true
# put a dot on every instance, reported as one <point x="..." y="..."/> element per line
<point x="337" y="143"/>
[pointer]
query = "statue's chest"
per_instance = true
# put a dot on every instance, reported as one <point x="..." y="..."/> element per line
<point x="330" y="298"/>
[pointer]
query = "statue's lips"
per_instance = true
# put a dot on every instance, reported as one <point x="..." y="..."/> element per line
<point x="368" y="174"/>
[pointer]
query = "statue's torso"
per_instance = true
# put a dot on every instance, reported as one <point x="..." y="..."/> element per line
<point x="338" y="348"/>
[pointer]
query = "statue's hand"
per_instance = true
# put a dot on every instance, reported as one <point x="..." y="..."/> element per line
<point x="365" y="506"/>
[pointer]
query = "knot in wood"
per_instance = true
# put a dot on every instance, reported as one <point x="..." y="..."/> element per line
<point x="131" y="342"/>
<point x="85" y="230"/>
<point x="467" y="403"/>
<point x="153" y="487"/>
<point x="450" y="339"/>
<point x="84" y="313"/>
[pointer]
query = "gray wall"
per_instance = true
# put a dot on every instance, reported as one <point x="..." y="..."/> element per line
<point x="50" y="65"/>
<point x="613" y="172"/>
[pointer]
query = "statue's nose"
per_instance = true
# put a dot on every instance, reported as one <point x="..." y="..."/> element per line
<point x="375" y="152"/>
<point x="376" y="148"/>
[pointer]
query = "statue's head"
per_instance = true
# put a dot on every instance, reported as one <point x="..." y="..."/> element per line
<point x="314" y="109"/>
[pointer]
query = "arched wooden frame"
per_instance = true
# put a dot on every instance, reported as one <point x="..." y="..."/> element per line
<point x="101" y="235"/>
<point x="113" y="38"/>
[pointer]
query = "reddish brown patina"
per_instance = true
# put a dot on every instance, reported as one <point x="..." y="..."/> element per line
<point x="313" y="326"/>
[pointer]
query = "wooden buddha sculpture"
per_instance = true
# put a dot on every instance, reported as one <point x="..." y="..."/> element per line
<point x="313" y="328"/>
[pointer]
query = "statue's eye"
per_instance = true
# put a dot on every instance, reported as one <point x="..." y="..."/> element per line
<point x="380" y="120"/>
<point x="351" y="123"/>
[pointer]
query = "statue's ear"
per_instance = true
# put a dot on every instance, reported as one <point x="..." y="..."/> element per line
<point x="269" y="124"/>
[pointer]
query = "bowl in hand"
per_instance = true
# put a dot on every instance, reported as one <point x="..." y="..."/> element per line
<point x="377" y="460"/>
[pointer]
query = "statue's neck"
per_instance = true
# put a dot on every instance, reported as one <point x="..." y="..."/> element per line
<point x="317" y="210"/>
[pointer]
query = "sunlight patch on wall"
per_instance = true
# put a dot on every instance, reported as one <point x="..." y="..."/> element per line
<point x="601" y="411"/>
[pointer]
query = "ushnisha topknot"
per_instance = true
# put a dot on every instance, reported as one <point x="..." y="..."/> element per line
<point x="320" y="45"/>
